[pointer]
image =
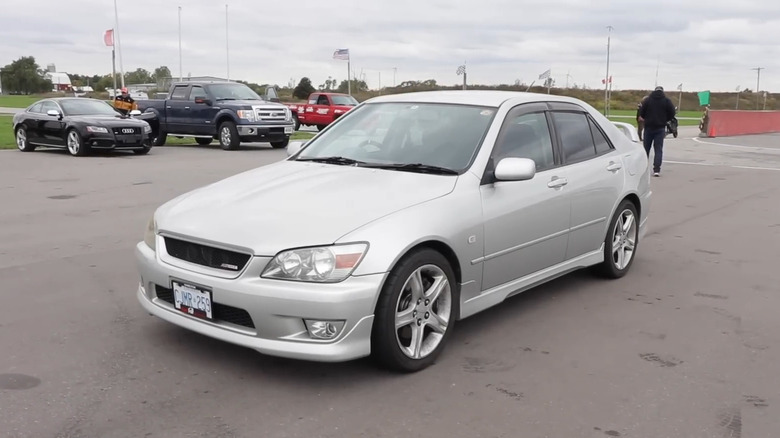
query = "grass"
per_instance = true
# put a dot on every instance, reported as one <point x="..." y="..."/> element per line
<point x="173" y="141"/>
<point x="18" y="101"/>
<point x="632" y="113"/>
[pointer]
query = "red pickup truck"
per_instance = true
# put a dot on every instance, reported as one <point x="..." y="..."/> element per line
<point x="321" y="109"/>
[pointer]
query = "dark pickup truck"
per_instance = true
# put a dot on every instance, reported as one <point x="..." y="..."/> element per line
<point x="228" y="111"/>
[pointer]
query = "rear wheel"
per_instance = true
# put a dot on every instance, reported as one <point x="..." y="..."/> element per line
<point x="21" y="140"/>
<point x="281" y="143"/>
<point x="204" y="141"/>
<point x="415" y="313"/>
<point x="321" y="127"/>
<point x="76" y="145"/>
<point x="297" y="122"/>
<point x="621" y="242"/>
<point x="228" y="136"/>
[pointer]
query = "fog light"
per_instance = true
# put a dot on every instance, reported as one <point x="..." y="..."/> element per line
<point x="323" y="329"/>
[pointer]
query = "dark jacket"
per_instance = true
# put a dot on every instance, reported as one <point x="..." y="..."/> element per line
<point x="656" y="110"/>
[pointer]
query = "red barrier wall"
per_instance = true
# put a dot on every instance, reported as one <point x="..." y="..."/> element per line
<point x="724" y="123"/>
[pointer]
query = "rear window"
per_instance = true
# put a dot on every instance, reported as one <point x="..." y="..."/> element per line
<point x="179" y="93"/>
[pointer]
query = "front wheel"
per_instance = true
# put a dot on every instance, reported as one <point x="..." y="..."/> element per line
<point x="21" y="140"/>
<point x="159" y="138"/>
<point x="297" y="122"/>
<point x="415" y="313"/>
<point x="76" y="145"/>
<point x="281" y="143"/>
<point x="143" y="151"/>
<point x="621" y="242"/>
<point x="228" y="136"/>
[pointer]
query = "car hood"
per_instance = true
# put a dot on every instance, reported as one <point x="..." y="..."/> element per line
<point x="107" y="121"/>
<point x="293" y="204"/>
<point x="248" y="103"/>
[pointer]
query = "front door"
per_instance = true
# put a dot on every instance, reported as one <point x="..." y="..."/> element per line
<point x="526" y="222"/>
<point x="202" y="114"/>
<point x="52" y="128"/>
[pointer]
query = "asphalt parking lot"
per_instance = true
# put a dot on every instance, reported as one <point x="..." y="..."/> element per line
<point x="687" y="345"/>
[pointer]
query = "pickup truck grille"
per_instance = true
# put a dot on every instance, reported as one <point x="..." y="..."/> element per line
<point x="273" y="114"/>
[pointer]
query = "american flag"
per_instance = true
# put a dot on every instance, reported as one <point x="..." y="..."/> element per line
<point x="545" y="75"/>
<point x="341" y="54"/>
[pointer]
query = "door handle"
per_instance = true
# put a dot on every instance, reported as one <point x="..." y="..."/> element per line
<point x="557" y="182"/>
<point x="186" y="107"/>
<point x="614" y="167"/>
<point x="169" y="107"/>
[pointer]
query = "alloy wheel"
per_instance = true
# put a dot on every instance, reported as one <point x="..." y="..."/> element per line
<point x="423" y="311"/>
<point x="624" y="238"/>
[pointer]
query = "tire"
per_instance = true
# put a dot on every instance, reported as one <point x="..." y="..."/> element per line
<point x="297" y="122"/>
<point x="75" y="144"/>
<point x="203" y="141"/>
<point x="159" y="139"/>
<point x="321" y="127"/>
<point x="143" y="151"/>
<point x="228" y="136"/>
<point x="674" y="134"/>
<point x="628" y="242"/>
<point x="22" y="141"/>
<point x="281" y="143"/>
<point x="388" y="344"/>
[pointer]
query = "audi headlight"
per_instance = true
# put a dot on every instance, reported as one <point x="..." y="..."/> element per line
<point x="147" y="129"/>
<point x="97" y="129"/>
<point x="324" y="264"/>
<point x="248" y="115"/>
<point x="150" y="236"/>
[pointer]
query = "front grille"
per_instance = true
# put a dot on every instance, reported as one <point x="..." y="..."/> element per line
<point x="121" y="131"/>
<point x="271" y="114"/>
<point x="211" y="257"/>
<point x="221" y="312"/>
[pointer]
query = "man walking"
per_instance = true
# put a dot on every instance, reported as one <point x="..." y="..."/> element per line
<point x="655" y="112"/>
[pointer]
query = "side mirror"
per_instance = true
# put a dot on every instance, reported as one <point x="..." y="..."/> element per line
<point x="203" y="100"/>
<point x="135" y="113"/>
<point x="294" y="147"/>
<point x="53" y="113"/>
<point x="628" y="130"/>
<point x="515" y="169"/>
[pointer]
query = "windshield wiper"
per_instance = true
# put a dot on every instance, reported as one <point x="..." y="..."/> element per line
<point x="333" y="160"/>
<point x="226" y="98"/>
<point x="416" y="167"/>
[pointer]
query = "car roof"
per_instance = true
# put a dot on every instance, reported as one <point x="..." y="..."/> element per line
<point x="488" y="98"/>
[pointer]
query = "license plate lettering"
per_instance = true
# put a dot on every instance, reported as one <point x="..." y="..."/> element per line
<point x="192" y="300"/>
<point x="288" y="130"/>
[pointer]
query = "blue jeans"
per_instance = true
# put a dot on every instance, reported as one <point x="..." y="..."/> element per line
<point x="655" y="138"/>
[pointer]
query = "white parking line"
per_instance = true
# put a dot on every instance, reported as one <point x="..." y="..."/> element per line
<point x="750" y="148"/>
<point x="693" y="163"/>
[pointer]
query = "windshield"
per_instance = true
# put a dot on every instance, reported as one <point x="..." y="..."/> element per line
<point x="430" y="134"/>
<point x="233" y="92"/>
<point x="87" y="107"/>
<point x="344" y="100"/>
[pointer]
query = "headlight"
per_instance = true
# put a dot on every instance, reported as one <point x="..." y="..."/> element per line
<point x="150" y="235"/>
<point x="147" y="129"/>
<point x="287" y="114"/>
<point x="248" y="115"/>
<point x="97" y="129"/>
<point x="325" y="264"/>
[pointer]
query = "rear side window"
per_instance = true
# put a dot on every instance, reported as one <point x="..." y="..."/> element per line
<point x="37" y="108"/>
<point x="576" y="139"/>
<point x="602" y="144"/>
<point x="179" y="93"/>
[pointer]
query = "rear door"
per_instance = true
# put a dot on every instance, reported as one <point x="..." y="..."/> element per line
<point x="595" y="173"/>
<point x="177" y="110"/>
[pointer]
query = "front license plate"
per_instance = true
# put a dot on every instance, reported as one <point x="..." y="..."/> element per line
<point x="192" y="300"/>
<point x="288" y="129"/>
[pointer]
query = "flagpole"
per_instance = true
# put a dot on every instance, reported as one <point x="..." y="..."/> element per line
<point x="679" y="101"/>
<point x="227" y="43"/>
<point x="181" y="71"/>
<point x="113" y="66"/>
<point x="119" y="44"/>
<point x="349" y="72"/>
<point x="606" y="79"/>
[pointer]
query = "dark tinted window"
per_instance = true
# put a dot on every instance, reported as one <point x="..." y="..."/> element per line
<point x="576" y="139"/>
<point x="197" y="93"/>
<point x="602" y="145"/>
<point x="179" y="93"/>
<point x="37" y="108"/>
<point x="526" y="136"/>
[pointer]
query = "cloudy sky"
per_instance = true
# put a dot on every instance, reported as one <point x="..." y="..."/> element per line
<point x="702" y="44"/>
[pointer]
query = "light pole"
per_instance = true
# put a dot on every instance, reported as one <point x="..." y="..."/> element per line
<point x="738" y="88"/>
<point x="606" y="79"/>
<point x="227" y="43"/>
<point x="181" y="71"/>
<point x="119" y="45"/>
<point x="758" y="85"/>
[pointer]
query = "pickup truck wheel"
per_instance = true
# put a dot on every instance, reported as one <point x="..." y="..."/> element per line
<point x="159" y="138"/>
<point x="321" y="127"/>
<point x="203" y="141"/>
<point x="297" y="122"/>
<point x="228" y="136"/>
<point x="281" y="143"/>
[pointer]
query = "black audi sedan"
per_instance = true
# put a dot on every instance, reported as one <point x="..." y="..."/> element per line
<point x="79" y="125"/>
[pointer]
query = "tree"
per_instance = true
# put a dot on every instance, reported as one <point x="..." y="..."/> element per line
<point x="25" y="76"/>
<point x="139" y="76"/>
<point x="161" y="73"/>
<point x="329" y="84"/>
<point x="357" y="86"/>
<point x="303" y="89"/>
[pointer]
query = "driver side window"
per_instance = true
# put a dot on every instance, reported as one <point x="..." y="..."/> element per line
<point x="526" y="136"/>
<point x="48" y="106"/>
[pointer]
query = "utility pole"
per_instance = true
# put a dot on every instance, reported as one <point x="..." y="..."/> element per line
<point x="758" y="85"/>
<point x="181" y="71"/>
<point x="119" y="45"/>
<point x="606" y="79"/>
<point x="567" y="79"/>
<point x="227" y="43"/>
<point x="395" y="70"/>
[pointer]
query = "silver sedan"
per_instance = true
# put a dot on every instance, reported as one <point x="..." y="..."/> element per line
<point x="409" y="213"/>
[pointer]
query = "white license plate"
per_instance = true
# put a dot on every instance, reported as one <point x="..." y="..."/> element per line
<point x="288" y="129"/>
<point x="192" y="300"/>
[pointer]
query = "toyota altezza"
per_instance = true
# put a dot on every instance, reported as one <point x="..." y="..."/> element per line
<point x="407" y="214"/>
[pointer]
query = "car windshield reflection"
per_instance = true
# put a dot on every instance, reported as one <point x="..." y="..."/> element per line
<point x="405" y="136"/>
<point x="87" y="107"/>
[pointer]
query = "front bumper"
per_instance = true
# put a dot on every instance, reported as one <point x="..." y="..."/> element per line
<point x="265" y="132"/>
<point x="112" y="141"/>
<point x="277" y="308"/>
